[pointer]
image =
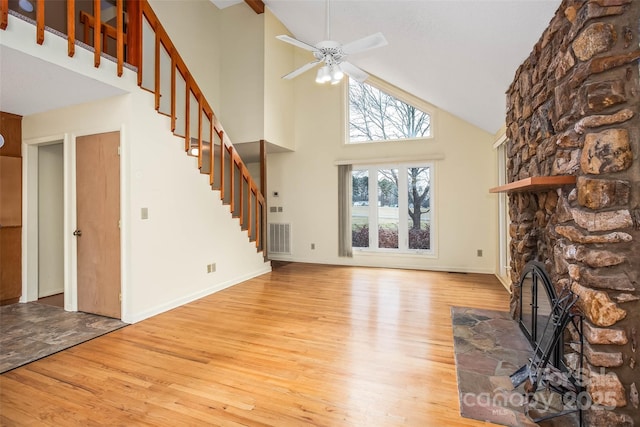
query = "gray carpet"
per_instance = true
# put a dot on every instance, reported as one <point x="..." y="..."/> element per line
<point x="32" y="331"/>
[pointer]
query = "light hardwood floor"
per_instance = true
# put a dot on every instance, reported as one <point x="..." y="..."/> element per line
<point x="303" y="345"/>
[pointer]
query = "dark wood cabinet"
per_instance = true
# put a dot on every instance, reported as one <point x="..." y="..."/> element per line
<point x="10" y="209"/>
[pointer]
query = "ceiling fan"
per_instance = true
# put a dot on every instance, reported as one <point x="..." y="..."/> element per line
<point x="333" y="55"/>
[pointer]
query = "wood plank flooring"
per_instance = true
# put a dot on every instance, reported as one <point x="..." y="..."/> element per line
<point x="303" y="345"/>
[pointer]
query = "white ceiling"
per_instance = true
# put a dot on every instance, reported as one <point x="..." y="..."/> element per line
<point x="29" y="85"/>
<point x="460" y="55"/>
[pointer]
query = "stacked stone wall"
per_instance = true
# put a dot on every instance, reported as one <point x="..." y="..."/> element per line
<point x="573" y="109"/>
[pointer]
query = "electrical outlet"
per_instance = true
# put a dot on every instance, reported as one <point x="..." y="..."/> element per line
<point x="313" y="246"/>
<point x="211" y="268"/>
<point x="479" y="252"/>
<point x="144" y="213"/>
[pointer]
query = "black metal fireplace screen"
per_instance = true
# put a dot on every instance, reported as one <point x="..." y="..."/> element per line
<point x="544" y="317"/>
<point x="536" y="299"/>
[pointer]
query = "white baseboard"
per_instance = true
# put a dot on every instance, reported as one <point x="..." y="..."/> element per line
<point x="137" y="317"/>
<point x="363" y="262"/>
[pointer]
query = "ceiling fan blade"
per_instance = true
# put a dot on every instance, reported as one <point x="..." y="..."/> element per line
<point x="298" y="43"/>
<point x="297" y="72"/>
<point x="353" y="71"/>
<point x="364" y="44"/>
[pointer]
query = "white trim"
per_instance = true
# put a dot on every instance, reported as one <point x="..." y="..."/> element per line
<point x="502" y="268"/>
<point x="30" y="212"/>
<point x="391" y="160"/>
<point x="397" y="93"/>
<point x="504" y="282"/>
<point x="403" y="228"/>
<point x="388" y="262"/>
<point x="501" y="140"/>
<point x="134" y="318"/>
<point x="403" y="96"/>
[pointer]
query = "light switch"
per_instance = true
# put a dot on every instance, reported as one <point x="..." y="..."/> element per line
<point x="144" y="213"/>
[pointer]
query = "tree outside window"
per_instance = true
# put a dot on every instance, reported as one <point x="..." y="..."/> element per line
<point x="391" y="207"/>
<point x="377" y="116"/>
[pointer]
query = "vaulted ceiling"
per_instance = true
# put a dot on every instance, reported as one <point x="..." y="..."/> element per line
<point x="460" y="55"/>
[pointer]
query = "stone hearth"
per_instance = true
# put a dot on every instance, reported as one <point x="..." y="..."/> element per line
<point x="573" y="110"/>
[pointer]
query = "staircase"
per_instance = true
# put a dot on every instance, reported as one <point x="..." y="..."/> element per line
<point x="161" y="71"/>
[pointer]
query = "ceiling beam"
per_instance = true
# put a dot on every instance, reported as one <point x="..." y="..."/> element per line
<point x="256" y="5"/>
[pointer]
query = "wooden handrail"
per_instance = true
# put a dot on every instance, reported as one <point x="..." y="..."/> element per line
<point x="137" y="10"/>
<point x="106" y="31"/>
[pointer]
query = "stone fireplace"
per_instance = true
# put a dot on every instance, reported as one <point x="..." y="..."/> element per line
<point x="573" y="109"/>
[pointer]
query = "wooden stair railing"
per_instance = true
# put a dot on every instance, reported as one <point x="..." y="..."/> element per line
<point x="107" y="31"/>
<point x="203" y="134"/>
<point x="237" y="187"/>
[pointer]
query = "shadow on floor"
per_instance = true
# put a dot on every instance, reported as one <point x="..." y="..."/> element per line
<point x="56" y="300"/>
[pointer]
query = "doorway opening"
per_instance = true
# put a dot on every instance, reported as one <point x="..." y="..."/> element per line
<point x="73" y="183"/>
<point x="51" y="224"/>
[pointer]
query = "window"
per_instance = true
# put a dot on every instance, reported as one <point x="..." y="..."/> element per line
<point x="374" y="115"/>
<point x="391" y="208"/>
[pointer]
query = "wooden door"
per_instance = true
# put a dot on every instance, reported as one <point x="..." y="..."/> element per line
<point x="98" y="228"/>
<point x="10" y="209"/>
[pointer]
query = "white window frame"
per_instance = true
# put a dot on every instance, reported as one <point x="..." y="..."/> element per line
<point x="403" y="203"/>
<point x="398" y="93"/>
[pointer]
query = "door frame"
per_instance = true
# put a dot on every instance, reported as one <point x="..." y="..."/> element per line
<point x="503" y="267"/>
<point x="30" y="216"/>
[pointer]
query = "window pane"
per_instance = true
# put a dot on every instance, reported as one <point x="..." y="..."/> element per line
<point x="419" y="221"/>
<point x="360" y="209"/>
<point x="388" y="215"/>
<point x="377" y="116"/>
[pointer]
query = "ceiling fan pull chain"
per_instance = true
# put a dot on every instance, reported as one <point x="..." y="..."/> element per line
<point x="328" y="16"/>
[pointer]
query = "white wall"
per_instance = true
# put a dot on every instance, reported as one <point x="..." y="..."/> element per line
<point x="238" y="47"/>
<point x="306" y="181"/>
<point x="242" y="73"/>
<point x="164" y="257"/>
<point x="50" y="220"/>
<point x="194" y="28"/>
<point x="279" y="112"/>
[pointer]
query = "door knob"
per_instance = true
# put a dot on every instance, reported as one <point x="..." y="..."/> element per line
<point x="77" y="233"/>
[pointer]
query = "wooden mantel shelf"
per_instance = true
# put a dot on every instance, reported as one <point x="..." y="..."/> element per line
<point x="535" y="183"/>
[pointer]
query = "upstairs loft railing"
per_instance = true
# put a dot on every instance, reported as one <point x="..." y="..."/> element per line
<point x="135" y="35"/>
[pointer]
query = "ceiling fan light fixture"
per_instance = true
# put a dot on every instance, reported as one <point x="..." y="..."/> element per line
<point x="332" y="55"/>
<point x="324" y="75"/>
<point x="336" y="74"/>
